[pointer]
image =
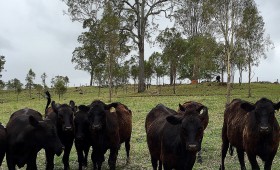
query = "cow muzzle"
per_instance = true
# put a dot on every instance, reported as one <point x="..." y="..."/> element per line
<point x="192" y="147"/>
<point x="96" y="127"/>
<point x="264" y="129"/>
<point x="68" y="128"/>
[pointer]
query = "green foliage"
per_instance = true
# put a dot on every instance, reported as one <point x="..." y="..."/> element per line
<point x="201" y="57"/>
<point x="60" y="85"/>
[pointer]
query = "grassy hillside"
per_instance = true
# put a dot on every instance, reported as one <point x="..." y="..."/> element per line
<point x="210" y="94"/>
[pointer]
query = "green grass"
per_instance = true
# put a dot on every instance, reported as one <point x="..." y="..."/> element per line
<point x="210" y="94"/>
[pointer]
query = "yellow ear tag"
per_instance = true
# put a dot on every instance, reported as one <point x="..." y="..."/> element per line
<point x="112" y="109"/>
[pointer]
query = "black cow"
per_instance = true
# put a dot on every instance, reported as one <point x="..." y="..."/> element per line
<point x="82" y="137"/>
<point x="174" y="138"/>
<point x="3" y="143"/>
<point x="63" y="116"/>
<point x="195" y="105"/>
<point x="251" y="128"/>
<point x="108" y="130"/>
<point x="27" y="134"/>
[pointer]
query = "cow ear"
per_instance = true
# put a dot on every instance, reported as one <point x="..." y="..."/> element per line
<point x="276" y="106"/>
<point x="247" y="106"/>
<point x="174" y="120"/>
<point x="33" y="121"/>
<point x="203" y="116"/>
<point x="72" y="105"/>
<point x="54" y="106"/>
<point x="84" y="108"/>
<point x="182" y="108"/>
<point x="115" y="104"/>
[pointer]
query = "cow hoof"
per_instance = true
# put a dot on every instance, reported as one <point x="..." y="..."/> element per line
<point x="127" y="161"/>
<point x="199" y="160"/>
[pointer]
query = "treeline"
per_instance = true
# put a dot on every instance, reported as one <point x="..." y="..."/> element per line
<point x="208" y="38"/>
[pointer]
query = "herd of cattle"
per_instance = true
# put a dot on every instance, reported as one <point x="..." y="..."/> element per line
<point x="174" y="138"/>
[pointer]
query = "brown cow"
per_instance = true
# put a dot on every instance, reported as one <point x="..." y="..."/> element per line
<point x="174" y="138"/>
<point x="251" y="128"/>
<point x="195" y="105"/>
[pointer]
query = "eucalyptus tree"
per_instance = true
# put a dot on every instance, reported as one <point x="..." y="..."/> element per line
<point x="113" y="40"/>
<point x="60" y="85"/>
<point x="227" y="15"/>
<point x="138" y="21"/>
<point x="252" y="36"/>
<point x="29" y="80"/>
<point x="44" y="77"/>
<point x="174" y="47"/>
<point x="136" y="17"/>
<point x="91" y="53"/>
<point x="158" y="66"/>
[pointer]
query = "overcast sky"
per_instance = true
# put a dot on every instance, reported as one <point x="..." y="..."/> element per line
<point x="34" y="34"/>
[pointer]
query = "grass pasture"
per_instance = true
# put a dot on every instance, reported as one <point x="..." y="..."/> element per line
<point x="211" y="95"/>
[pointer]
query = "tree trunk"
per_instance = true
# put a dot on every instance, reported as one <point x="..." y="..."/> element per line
<point x="249" y="70"/>
<point x="141" y="82"/>
<point x="174" y="84"/>
<point x="110" y="79"/>
<point x="99" y="90"/>
<point x="171" y="74"/>
<point x="228" y="77"/>
<point x="91" y="78"/>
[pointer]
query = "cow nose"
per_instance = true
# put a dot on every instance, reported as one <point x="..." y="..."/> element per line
<point x="192" y="147"/>
<point x="68" y="128"/>
<point x="264" y="129"/>
<point x="96" y="127"/>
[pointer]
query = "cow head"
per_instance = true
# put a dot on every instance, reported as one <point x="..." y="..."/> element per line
<point x="46" y="133"/>
<point x="263" y="113"/>
<point x="97" y="114"/>
<point x="191" y="127"/>
<point x="65" y="115"/>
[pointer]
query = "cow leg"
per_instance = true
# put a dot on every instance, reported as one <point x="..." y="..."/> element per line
<point x="97" y="159"/>
<point x="253" y="161"/>
<point x="154" y="163"/>
<point x="31" y="164"/>
<point x="10" y="162"/>
<point x="80" y="155"/>
<point x="240" y="154"/>
<point x="166" y="167"/>
<point x="127" y="149"/>
<point x="159" y="165"/>
<point x="86" y="150"/>
<point x="50" y="158"/>
<point x="66" y="154"/>
<point x="113" y="158"/>
<point x="225" y="145"/>
<point x="268" y="163"/>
